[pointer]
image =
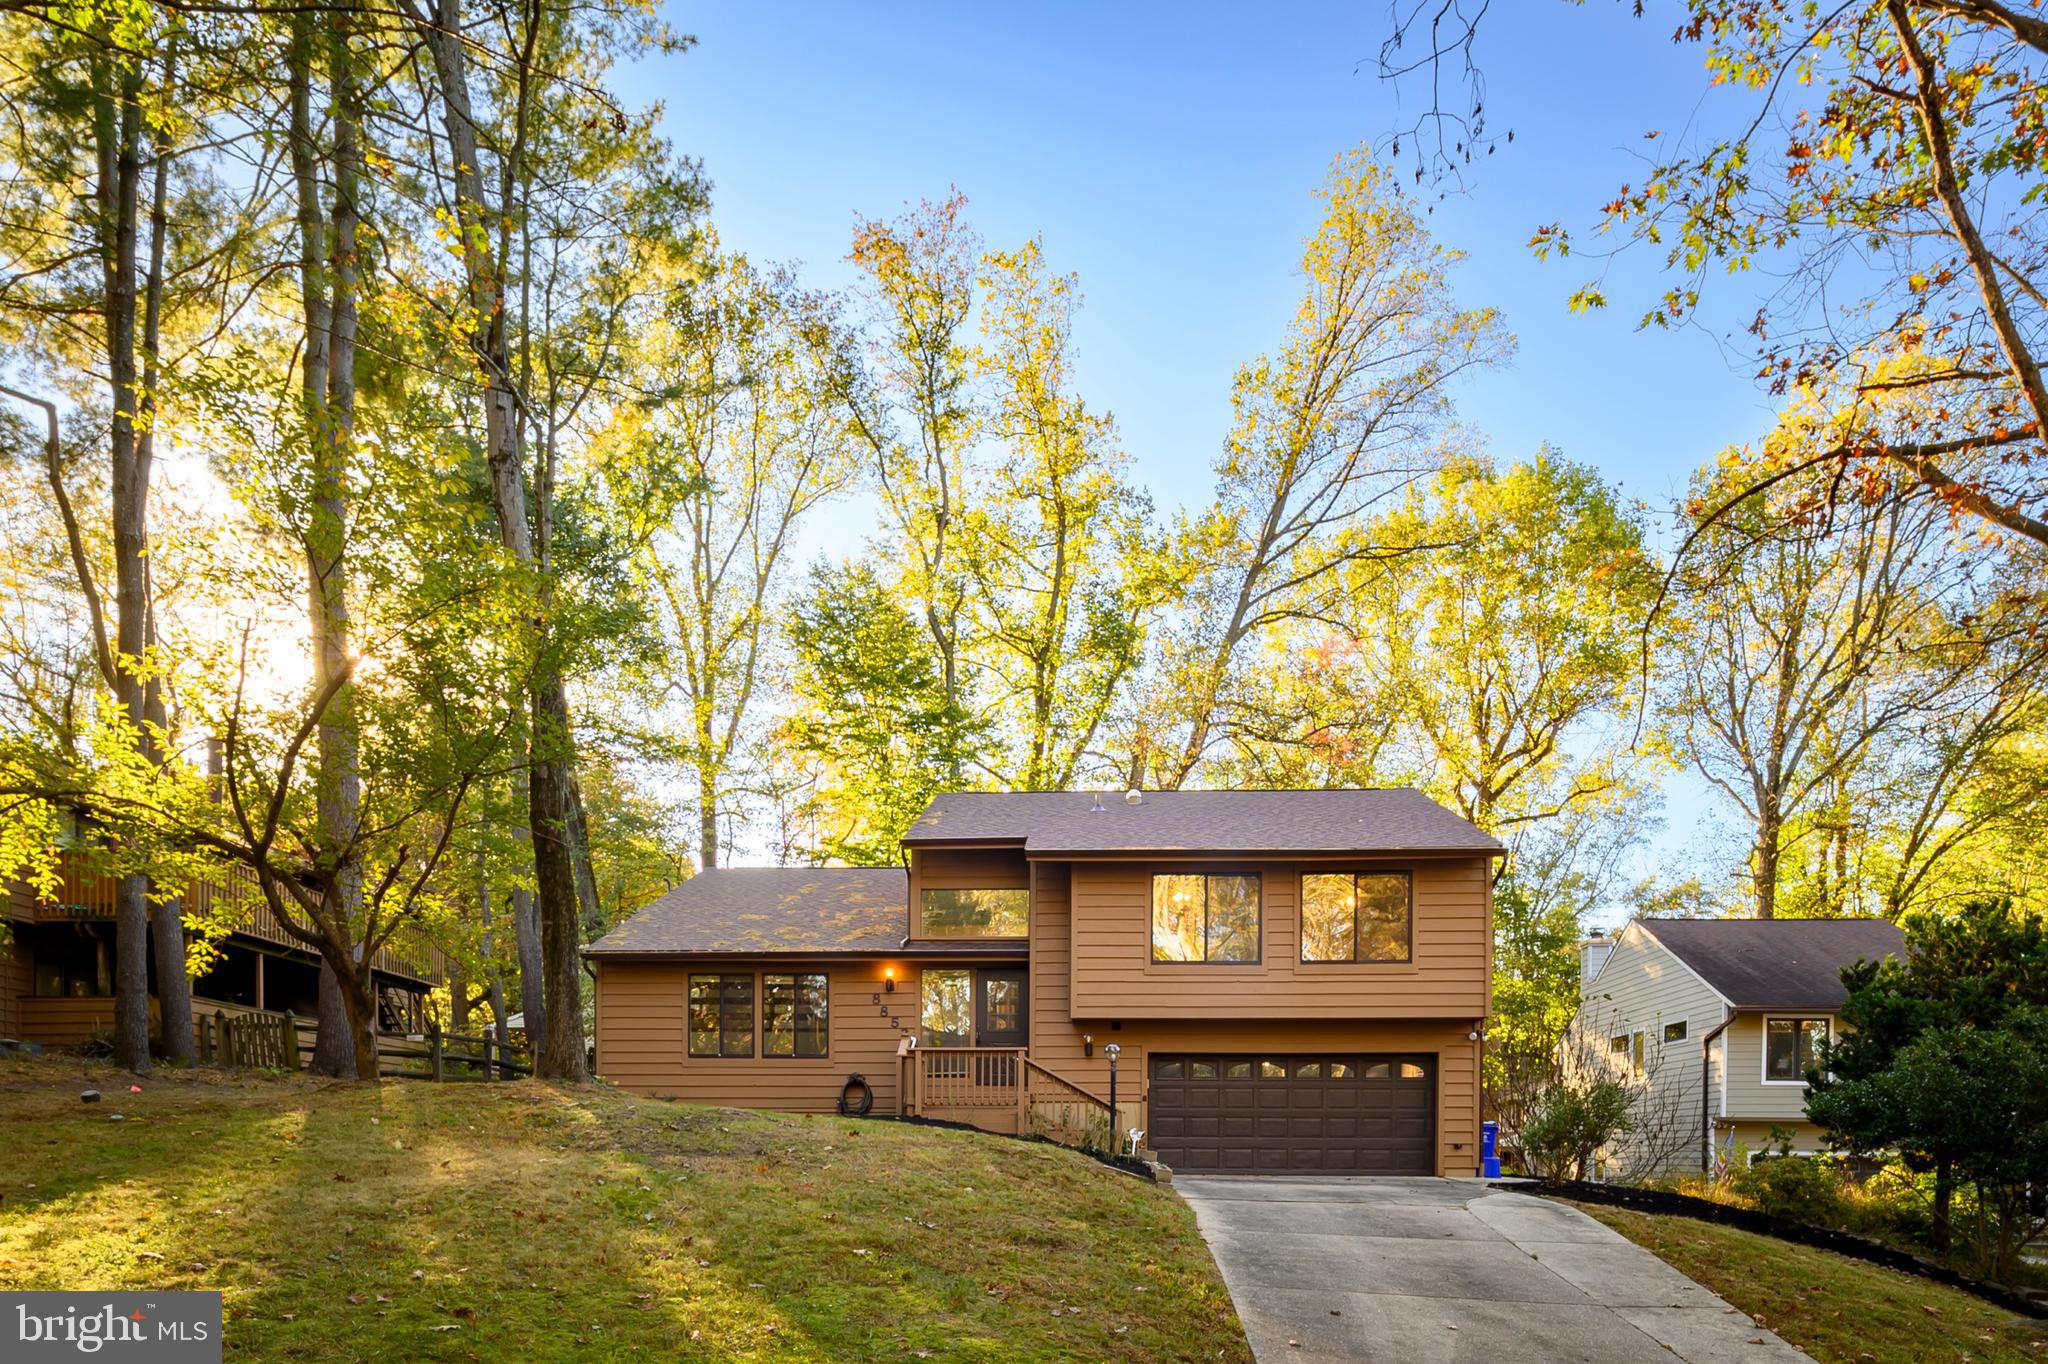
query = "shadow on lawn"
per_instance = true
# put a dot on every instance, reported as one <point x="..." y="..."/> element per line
<point x="522" y="1222"/>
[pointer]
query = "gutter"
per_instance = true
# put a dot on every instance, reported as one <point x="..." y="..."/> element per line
<point x="1706" y="1100"/>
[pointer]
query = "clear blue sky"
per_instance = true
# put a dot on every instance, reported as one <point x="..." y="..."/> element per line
<point x="1168" y="153"/>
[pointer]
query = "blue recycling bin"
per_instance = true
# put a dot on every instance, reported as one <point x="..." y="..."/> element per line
<point x="1489" y="1150"/>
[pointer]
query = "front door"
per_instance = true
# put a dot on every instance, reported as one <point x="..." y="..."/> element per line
<point x="999" y="1007"/>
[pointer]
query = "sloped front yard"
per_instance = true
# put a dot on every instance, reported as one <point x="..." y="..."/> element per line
<point x="1838" y="1310"/>
<point x="521" y="1222"/>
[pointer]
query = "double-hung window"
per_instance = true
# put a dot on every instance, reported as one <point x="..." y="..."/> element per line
<point x="1201" y="917"/>
<point x="722" y="1015"/>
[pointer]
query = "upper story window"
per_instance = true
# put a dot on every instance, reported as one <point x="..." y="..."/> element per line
<point x="1792" y="1047"/>
<point x="1629" y="1047"/>
<point x="722" y="1015"/>
<point x="977" y="913"/>
<point x="1211" y="918"/>
<point x="1356" y="916"/>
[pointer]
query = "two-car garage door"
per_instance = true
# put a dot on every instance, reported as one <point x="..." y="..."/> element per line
<point x="1365" y="1114"/>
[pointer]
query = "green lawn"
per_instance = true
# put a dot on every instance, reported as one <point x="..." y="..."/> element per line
<point x="521" y="1222"/>
<point x="1838" y="1310"/>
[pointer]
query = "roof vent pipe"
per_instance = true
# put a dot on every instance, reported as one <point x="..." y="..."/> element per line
<point x="1097" y="808"/>
<point x="1134" y="797"/>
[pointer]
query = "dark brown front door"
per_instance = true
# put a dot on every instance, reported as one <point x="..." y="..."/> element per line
<point x="1000" y="1015"/>
<point x="1263" y="1114"/>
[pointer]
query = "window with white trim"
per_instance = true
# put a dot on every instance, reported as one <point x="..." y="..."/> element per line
<point x="1791" y="1048"/>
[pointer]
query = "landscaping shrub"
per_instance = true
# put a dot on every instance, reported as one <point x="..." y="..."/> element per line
<point x="1796" y="1188"/>
<point x="1570" y="1126"/>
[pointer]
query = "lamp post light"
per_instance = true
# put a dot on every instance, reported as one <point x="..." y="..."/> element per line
<point x="1112" y="1051"/>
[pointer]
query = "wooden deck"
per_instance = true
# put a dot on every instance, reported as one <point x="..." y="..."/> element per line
<point x="1001" y="1089"/>
<point x="87" y="894"/>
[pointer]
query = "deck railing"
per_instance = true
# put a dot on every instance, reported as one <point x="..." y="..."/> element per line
<point x="1003" y="1088"/>
<point x="231" y="894"/>
<point x="1058" y="1108"/>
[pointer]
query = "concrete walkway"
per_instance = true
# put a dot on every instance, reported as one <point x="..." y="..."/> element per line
<point x="1423" y="1271"/>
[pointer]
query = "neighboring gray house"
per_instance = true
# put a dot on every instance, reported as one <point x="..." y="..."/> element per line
<point x="1734" y="1005"/>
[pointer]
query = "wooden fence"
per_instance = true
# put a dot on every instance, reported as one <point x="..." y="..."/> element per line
<point x="258" y="1039"/>
<point x="435" y="1055"/>
<point x="248" y="1039"/>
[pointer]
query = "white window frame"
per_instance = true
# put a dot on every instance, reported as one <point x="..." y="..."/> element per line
<point x="1763" y="1045"/>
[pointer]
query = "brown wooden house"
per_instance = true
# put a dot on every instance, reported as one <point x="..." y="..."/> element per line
<point x="1294" y="981"/>
<point x="57" y="973"/>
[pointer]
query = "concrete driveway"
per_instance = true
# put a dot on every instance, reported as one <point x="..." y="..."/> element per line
<point x="1427" y="1270"/>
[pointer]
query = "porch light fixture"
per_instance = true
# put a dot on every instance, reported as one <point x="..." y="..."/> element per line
<point x="889" y="980"/>
<point x="1087" y="1044"/>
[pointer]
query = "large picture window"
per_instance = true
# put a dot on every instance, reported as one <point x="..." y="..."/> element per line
<point x="1791" y="1047"/>
<point x="977" y="913"/>
<point x="1205" y="918"/>
<point x="793" y="1016"/>
<point x="948" y="1012"/>
<point x="721" y="1015"/>
<point x="1356" y="916"/>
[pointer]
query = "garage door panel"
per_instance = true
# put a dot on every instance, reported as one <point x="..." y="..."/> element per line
<point x="1357" y="1114"/>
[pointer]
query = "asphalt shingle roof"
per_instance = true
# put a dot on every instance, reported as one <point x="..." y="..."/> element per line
<point x="1777" y="963"/>
<point x="1053" y="822"/>
<point x="772" y="909"/>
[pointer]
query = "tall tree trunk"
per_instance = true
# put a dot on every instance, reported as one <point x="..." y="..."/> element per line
<point x="334" y="1046"/>
<point x="1764" y="861"/>
<point x="327" y="282"/>
<point x="707" y="824"/>
<point x="555" y="891"/>
<point x="492" y="974"/>
<point x="586" y="868"/>
<point x="173" y="985"/>
<point x="551" y="743"/>
<point x="117" y="120"/>
<point x="533" y="1004"/>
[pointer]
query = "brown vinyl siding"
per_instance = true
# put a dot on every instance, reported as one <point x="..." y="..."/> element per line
<point x="643" y="1035"/>
<point x="17" y="980"/>
<point x="1114" y="975"/>
<point x="66" y="1021"/>
<point x="1056" y="1035"/>
<point x="963" y="869"/>
<point x="1091" y="973"/>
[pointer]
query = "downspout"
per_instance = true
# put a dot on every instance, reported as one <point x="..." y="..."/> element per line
<point x="1706" y="1092"/>
<point x="905" y="853"/>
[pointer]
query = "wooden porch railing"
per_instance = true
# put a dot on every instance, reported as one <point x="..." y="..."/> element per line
<point x="1058" y="1108"/>
<point x="1002" y="1087"/>
<point x="84" y="893"/>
